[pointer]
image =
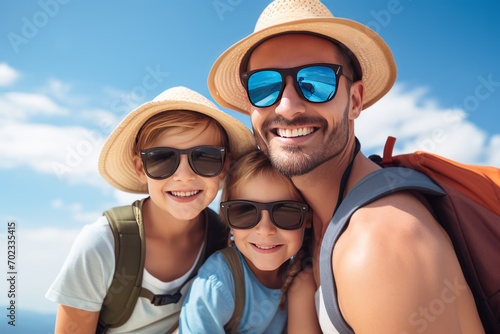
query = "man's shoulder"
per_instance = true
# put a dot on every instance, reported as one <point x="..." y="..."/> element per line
<point x="400" y="213"/>
<point x="390" y="232"/>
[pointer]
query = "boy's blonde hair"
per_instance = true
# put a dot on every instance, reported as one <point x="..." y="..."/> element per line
<point x="183" y="120"/>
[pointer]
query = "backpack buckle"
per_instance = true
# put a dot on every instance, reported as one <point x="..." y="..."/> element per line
<point x="159" y="300"/>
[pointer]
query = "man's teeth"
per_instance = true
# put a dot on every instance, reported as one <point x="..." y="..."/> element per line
<point x="185" y="193"/>
<point x="265" y="247"/>
<point x="287" y="133"/>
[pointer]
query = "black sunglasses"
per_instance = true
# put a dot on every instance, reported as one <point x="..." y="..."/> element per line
<point x="316" y="83"/>
<point x="286" y="215"/>
<point x="161" y="162"/>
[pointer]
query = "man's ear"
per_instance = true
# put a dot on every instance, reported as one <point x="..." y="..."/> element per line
<point x="356" y="97"/>
<point x="139" y="170"/>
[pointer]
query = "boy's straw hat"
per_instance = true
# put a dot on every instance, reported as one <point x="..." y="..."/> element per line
<point x="309" y="16"/>
<point x="116" y="159"/>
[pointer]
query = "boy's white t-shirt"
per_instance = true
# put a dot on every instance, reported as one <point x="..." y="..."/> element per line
<point x="88" y="272"/>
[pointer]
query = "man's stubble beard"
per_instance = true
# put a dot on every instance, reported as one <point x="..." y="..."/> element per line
<point x="295" y="160"/>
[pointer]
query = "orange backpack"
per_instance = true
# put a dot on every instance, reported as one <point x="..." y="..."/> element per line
<point x="466" y="202"/>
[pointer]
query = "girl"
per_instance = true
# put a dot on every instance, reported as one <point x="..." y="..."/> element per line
<point x="176" y="148"/>
<point x="268" y="219"/>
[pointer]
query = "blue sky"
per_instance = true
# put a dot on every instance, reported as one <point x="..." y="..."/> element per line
<point x="69" y="67"/>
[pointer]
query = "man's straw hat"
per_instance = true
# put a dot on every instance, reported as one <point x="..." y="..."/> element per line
<point x="115" y="161"/>
<point x="310" y="16"/>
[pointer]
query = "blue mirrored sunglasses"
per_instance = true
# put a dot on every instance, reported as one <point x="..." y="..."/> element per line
<point x="316" y="83"/>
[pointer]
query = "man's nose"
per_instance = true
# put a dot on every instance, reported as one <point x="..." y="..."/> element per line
<point x="291" y="103"/>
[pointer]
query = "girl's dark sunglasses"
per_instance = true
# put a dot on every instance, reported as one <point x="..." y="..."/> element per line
<point x="316" y="83"/>
<point x="161" y="162"/>
<point x="286" y="215"/>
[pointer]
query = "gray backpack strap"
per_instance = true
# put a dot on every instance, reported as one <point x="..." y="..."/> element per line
<point x="236" y="267"/>
<point x="374" y="186"/>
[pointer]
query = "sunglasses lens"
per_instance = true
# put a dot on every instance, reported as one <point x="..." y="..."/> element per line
<point x="161" y="163"/>
<point x="264" y="88"/>
<point x="317" y="83"/>
<point x="242" y="215"/>
<point x="287" y="216"/>
<point x="207" y="161"/>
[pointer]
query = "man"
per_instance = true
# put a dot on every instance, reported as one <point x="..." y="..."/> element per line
<point x="394" y="264"/>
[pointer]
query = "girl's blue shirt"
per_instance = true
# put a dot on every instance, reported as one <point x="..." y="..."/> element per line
<point x="209" y="303"/>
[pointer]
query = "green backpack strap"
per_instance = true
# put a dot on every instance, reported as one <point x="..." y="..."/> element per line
<point x="128" y="232"/>
<point x="236" y="267"/>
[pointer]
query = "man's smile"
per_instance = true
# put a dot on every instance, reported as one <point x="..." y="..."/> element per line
<point x="297" y="132"/>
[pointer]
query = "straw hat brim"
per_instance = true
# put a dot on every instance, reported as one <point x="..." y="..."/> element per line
<point x="116" y="158"/>
<point x="374" y="56"/>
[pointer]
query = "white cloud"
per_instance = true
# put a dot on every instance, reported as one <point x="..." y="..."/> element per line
<point x="420" y="124"/>
<point x="21" y="106"/>
<point x="57" y="203"/>
<point x="494" y="147"/>
<point x="75" y="211"/>
<point x="8" y="75"/>
<point x="57" y="88"/>
<point x="69" y="153"/>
